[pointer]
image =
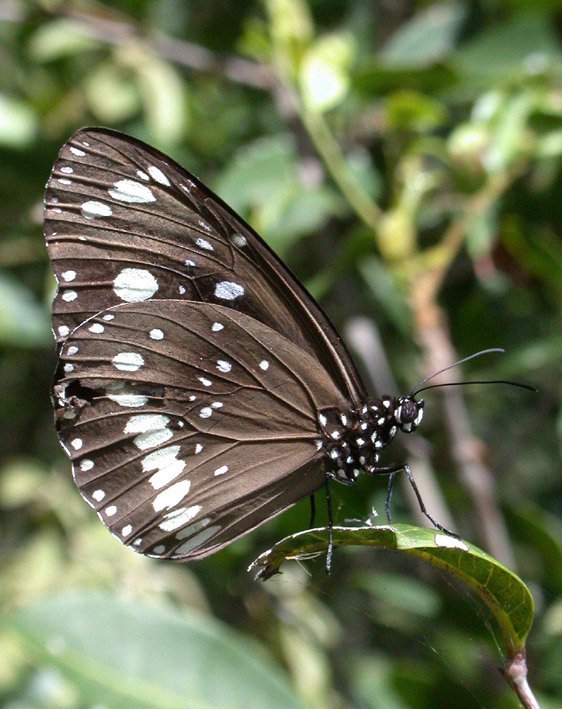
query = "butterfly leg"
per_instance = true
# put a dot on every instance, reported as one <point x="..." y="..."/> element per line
<point x="330" y="528"/>
<point x="391" y="470"/>
<point x="312" y="511"/>
<point x="389" y="490"/>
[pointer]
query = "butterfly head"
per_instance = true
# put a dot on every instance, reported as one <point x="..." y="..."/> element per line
<point x="408" y="413"/>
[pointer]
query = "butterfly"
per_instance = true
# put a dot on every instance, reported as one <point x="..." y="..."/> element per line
<point x="200" y="390"/>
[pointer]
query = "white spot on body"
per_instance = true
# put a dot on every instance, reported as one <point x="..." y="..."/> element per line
<point x="134" y="285"/>
<point x="171" y="496"/>
<point x="93" y="209"/>
<point x="69" y="295"/>
<point x="222" y="470"/>
<point x="131" y="192"/>
<point x="69" y="275"/>
<point x="157" y="175"/>
<point x="156" y="334"/>
<point x="227" y="290"/>
<point x="128" y="361"/>
<point x="166" y="464"/>
<point x="96" y="328"/>
<point x="179" y="517"/>
<point x="76" y="151"/>
<point x="204" y="244"/>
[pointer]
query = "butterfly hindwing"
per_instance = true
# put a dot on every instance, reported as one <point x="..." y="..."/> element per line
<point x="188" y="424"/>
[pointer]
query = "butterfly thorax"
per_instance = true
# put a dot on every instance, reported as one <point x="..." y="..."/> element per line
<point x="353" y="441"/>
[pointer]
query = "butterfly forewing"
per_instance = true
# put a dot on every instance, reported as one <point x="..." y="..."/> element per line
<point x="188" y="424"/>
<point x="124" y="223"/>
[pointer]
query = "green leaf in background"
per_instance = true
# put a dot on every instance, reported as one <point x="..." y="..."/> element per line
<point x="503" y="592"/>
<point x="18" y="122"/>
<point x="325" y="72"/>
<point x="429" y="36"/>
<point x="504" y="50"/>
<point x="23" y="322"/>
<point x="118" y="653"/>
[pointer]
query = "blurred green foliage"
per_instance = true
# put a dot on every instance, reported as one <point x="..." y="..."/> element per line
<point x="355" y="136"/>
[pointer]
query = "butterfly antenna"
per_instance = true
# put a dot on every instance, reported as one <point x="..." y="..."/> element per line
<point x="419" y="385"/>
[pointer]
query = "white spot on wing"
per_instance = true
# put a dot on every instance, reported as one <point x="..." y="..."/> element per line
<point x="98" y="495"/>
<point x="171" y="496"/>
<point x="108" y="317"/>
<point x="205" y="412"/>
<point x="122" y="397"/>
<point x="131" y="192"/>
<point x="239" y="240"/>
<point x="152" y="430"/>
<point x="166" y="463"/>
<point x="69" y="295"/>
<point x="93" y="209"/>
<point x="63" y="330"/>
<point x="223" y="365"/>
<point x="76" y="151"/>
<point x="86" y="464"/>
<point x="197" y="541"/>
<point x="204" y="244"/>
<point x="156" y="334"/>
<point x="134" y="285"/>
<point x="96" y="328"/>
<point x="178" y="518"/>
<point x="264" y="364"/>
<point x="157" y="175"/>
<point x="127" y="361"/>
<point x="198" y="448"/>
<point x="222" y="470"/>
<point x="67" y="170"/>
<point x="227" y="290"/>
<point x="217" y="326"/>
<point x="127" y="529"/>
<point x="76" y="443"/>
<point x="205" y="382"/>
<point x="111" y="510"/>
<point x="69" y="275"/>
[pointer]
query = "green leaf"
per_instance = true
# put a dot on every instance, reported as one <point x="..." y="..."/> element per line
<point x="23" y="322"/>
<point x="429" y="36"/>
<point x="506" y="596"/>
<point x="117" y="653"/>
